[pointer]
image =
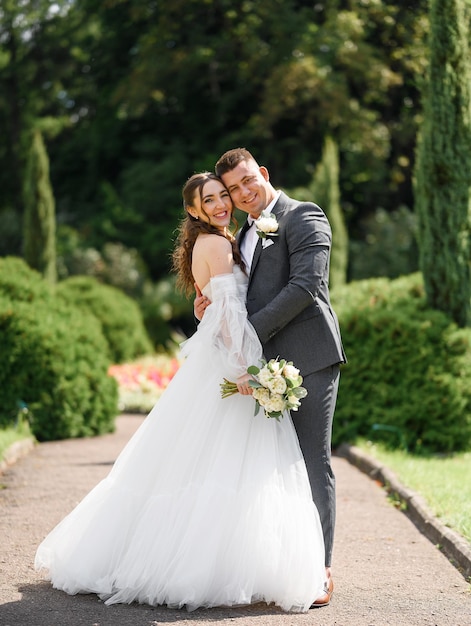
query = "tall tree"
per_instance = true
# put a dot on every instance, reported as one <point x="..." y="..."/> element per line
<point x="443" y="173"/>
<point x="39" y="229"/>
<point x="325" y="191"/>
<point x="35" y="58"/>
<point x="151" y="91"/>
<point x="327" y="194"/>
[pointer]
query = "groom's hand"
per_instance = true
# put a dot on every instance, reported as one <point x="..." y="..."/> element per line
<point x="200" y="304"/>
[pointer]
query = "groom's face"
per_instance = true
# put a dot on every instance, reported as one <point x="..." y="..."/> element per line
<point x="249" y="186"/>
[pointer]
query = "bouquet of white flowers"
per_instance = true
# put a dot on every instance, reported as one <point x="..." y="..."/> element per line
<point x="276" y="387"/>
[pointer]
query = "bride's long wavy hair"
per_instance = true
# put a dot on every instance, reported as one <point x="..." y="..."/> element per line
<point x="189" y="229"/>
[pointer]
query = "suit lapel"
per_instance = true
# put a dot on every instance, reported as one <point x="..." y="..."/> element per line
<point x="278" y="211"/>
<point x="256" y="256"/>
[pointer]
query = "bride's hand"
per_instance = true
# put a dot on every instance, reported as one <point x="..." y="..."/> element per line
<point x="243" y="385"/>
<point x="200" y="303"/>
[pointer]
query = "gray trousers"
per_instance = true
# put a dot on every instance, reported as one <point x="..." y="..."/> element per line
<point x="313" y="423"/>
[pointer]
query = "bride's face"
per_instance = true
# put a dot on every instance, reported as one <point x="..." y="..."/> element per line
<point x="213" y="205"/>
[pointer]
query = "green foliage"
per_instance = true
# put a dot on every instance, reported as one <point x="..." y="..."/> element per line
<point x="443" y="172"/>
<point x="54" y="359"/>
<point x="119" y="316"/>
<point x="20" y="431"/>
<point x="385" y="245"/>
<point x="444" y="481"/>
<point x="409" y="368"/>
<point x="146" y="93"/>
<point x="39" y="229"/>
<point x="168" y="316"/>
<point x="324" y="190"/>
<point x="114" y="265"/>
<point x="11" y="232"/>
<point x="164" y="311"/>
<point x="20" y="283"/>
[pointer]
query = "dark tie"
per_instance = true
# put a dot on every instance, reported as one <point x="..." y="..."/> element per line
<point x="248" y="224"/>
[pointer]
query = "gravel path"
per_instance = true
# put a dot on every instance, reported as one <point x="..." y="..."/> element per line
<point x="385" y="570"/>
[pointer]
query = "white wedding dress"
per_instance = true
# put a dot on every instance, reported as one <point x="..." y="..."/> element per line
<point x="207" y="505"/>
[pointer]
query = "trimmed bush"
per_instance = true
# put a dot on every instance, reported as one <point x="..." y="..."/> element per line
<point x="408" y="379"/>
<point x="120" y="317"/>
<point x="54" y="359"/>
<point x="19" y="282"/>
<point x="168" y="314"/>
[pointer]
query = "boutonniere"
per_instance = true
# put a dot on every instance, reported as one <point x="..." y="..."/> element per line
<point x="266" y="225"/>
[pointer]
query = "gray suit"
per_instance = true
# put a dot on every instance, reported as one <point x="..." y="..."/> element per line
<point x="289" y="305"/>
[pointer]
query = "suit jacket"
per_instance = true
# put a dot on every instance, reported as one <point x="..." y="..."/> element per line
<point x="288" y="294"/>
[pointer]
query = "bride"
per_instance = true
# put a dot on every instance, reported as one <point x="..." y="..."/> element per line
<point x="207" y="505"/>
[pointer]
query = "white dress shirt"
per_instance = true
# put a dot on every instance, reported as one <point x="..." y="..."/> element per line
<point x="251" y="238"/>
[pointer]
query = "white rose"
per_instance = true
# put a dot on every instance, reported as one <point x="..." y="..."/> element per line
<point x="290" y="372"/>
<point x="264" y="376"/>
<point x="267" y="224"/>
<point x="275" y="366"/>
<point x="261" y="394"/>
<point x="277" y="385"/>
<point x="275" y="404"/>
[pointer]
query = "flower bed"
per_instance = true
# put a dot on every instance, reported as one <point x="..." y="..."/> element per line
<point x="142" y="382"/>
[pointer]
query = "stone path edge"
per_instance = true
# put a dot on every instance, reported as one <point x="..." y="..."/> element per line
<point x="451" y="543"/>
<point x="16" y="451"/>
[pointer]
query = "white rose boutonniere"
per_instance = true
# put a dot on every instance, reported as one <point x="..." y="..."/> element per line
<point x="266" y="225"/>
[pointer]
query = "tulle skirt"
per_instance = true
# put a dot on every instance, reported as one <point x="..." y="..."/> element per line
<point x="207" y="505"/>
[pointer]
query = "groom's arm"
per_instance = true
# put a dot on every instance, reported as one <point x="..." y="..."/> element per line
<point x="308" y="241"/>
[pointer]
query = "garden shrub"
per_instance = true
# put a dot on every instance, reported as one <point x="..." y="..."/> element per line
<point x="120" y="317"/>
<point x="19" y="282"/>
<point x="408" y="377"/>
<point x="168" y="314"/>
<point x="54" y="359"/>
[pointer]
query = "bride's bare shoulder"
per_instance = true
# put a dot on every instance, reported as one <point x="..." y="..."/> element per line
<point x="212" y="255"/>
<point x="212" y="243"/>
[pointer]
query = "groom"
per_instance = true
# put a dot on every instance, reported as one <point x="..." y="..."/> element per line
<point x="289" y="306"/>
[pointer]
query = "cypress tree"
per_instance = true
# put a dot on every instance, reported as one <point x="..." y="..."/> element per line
<point x="326" y="191"/>
<point x="443" y="165"/>
<point x="39" y="225"/>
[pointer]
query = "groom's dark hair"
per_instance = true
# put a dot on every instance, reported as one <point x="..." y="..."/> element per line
<point x="231" y="159"/>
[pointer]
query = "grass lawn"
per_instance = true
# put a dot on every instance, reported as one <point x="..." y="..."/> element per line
<point x="8" y="436"/>
<point x="443" y="481"/>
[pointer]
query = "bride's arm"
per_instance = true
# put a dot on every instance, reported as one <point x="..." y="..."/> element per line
<point x="232" y="334"/>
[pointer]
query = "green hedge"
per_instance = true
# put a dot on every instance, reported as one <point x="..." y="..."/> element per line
<point x="408" y="379"/>
<point x="54" y="359"/>
<point x="120" y="317"/>
<point x="19" y="282"/>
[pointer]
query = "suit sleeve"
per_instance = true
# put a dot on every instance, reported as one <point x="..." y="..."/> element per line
<point x="307" y="236"/>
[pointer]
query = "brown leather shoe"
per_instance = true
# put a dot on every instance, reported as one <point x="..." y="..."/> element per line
<point x="324" y="600"/>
